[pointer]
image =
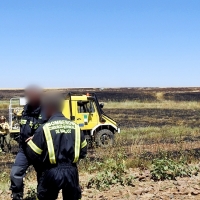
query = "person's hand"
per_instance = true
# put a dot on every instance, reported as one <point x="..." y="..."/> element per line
<point x="30" y="138"/>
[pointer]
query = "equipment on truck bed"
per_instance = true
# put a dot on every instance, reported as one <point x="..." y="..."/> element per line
<point x="82" y="108"/>
<point x="15" y="110"/>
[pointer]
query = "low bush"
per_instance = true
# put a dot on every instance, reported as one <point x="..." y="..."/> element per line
<point x="114" y="173"/>
<point x="166" y="168"/>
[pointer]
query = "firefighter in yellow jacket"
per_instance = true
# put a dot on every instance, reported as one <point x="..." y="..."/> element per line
<point x="4" y="134"/>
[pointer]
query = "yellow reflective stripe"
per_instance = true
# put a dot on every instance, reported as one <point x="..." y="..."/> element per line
<point x="83" y="144"/>
<point x="50" y="146"/>
<point x="77" y="144"/>
<point x="31" y="124"/>
<point x="23" y="121"/>
<point x="34" y="147"/>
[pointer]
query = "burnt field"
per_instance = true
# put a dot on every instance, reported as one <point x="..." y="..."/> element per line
<point x="125" y="94"/>
<point x="129" y="118"/>
<point x="138" y="117"/>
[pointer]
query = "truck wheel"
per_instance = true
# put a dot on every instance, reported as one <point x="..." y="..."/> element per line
<point x="105" y="138"/>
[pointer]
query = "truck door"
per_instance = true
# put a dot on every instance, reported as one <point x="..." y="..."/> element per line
<point x="86" y="114"/>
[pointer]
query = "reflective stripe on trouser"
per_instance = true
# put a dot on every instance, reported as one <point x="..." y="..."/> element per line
<point x="50" y="146"/>
<point x="77" y="144"/>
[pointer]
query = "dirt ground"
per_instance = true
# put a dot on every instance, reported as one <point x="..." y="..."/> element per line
<point x="146" y="189"/>
<point x="143" y="189"/>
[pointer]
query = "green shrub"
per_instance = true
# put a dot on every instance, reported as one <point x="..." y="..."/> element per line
<point x="166" y="168"/>
<point x="99" y="159"/>
<point x="114" y="173"/>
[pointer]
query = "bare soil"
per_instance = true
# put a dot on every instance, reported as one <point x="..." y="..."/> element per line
<point x="146" y="189"/>
<point x="143" y="188"/>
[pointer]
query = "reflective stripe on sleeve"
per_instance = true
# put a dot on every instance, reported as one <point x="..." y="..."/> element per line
<point x="83" y="144"/>
<point x="23" y="121"/>
<point x="50" y="146"/>
<point x="34" y="147"/>
<point x="77" y="144"/>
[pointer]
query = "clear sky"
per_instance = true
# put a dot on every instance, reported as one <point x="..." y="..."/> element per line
<point x="99" y="43"/>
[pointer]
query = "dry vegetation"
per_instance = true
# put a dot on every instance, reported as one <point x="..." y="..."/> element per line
<point x="191" y="105"/>
<point x="160" y="140"/>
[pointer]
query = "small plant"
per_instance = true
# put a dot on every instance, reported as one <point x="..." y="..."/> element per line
<point x="4" y="175"/>
<point x="115" y="173"/>
<point x="31" y="194"/>
<point x="165" y="168"/>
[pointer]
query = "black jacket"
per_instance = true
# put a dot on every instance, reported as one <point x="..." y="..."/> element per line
<point x="30" y="121"/>
<point x="58" y="141"/>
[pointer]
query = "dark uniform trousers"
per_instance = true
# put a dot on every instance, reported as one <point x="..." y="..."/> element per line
<point x="29" y="123"/>
<point x="63" y="177"/>
<point x="18" y="172"/>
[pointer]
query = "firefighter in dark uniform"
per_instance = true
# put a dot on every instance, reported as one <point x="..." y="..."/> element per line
<point x="32" y="117"/>
<point x="57" y="146"/>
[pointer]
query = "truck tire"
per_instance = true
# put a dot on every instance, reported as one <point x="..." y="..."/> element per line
<point x="105" y="138"/>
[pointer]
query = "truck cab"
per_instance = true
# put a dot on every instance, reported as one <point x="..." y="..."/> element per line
<point x="85" y="110"/>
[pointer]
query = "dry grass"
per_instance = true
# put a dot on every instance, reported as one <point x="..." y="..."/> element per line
<point x="160" y="133"/>
<point x="161" y="104"/>
<point x="5" y="104"/>
<point x="151" y="105"/>
<point x="160" y="96"/>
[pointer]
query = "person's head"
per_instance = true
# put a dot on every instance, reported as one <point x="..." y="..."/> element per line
<point x="33" y="95"/>
<point x="52" y="103"/>
<point x="2" y="119"/>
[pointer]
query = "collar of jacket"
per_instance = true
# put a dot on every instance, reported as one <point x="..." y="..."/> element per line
<point x="58" y="114"/>
<point x="28" y="110"/>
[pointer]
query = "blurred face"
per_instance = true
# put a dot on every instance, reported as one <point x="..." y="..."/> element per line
<point x="33" y="96"/>
<point x="2" y="120"/>
<point x="48" y="111"/>
<point x="51" y="103"/>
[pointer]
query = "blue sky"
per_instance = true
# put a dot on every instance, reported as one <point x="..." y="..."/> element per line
<point x="101" y="43"/>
